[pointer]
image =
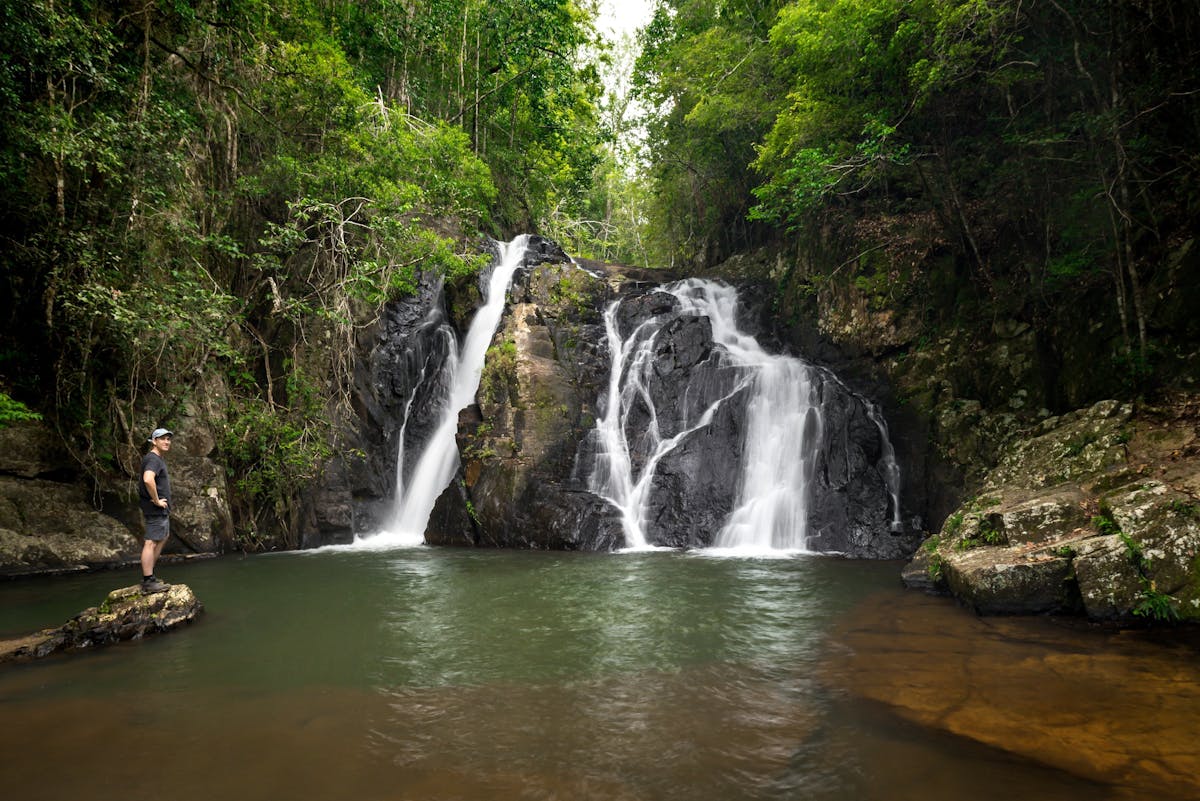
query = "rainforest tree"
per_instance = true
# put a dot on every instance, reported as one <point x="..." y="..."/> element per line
<point x="1047" y="148"/>
<point x="236" y="183"/>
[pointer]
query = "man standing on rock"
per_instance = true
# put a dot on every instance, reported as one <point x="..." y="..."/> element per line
<point x="154" y="492"/>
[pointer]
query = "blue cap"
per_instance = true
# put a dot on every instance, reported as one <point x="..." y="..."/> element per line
<point x="159" y="432"/>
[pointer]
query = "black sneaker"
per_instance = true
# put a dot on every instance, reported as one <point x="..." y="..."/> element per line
<point x="152" y="585"/>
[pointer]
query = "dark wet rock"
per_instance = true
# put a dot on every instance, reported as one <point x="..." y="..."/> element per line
<point x="126" y="614"/>
<point x="697" y="483"/>
<point x="528" y="447"/>
<point x="518" y="485"/>
<point x="401" y="369"/>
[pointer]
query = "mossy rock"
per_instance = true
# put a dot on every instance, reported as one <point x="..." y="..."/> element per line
<point x="125" y="614"/>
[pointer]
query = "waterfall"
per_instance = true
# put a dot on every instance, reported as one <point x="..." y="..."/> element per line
<point x="434" y="469"/>
<point x="783" y="430"/>
<point x="782" y="436"/>
<point x="613" y="476"/>
<point x="891" y="468"/>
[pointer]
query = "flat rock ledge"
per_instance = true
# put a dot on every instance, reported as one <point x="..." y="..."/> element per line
<point x="125" y="614"/>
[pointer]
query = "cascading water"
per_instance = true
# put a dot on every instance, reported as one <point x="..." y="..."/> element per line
<point x="418" y="489"/>
<point x="891" y="468"/>
<point x="782" y="429"/>
<point x="613" y="476"/>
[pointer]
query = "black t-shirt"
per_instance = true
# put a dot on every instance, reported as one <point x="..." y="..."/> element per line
<point x="152" y="461"/>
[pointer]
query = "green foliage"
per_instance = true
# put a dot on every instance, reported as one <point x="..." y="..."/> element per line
<point x="710" y="81"/>
<point x="272" y="452"/>
<point x="514" y="76"/>
<point x="233" y="186"/>
<point x="1152" y="603"/>
<point x="990" y="533"/>
<point x="498" y="378"/>
<point x="13" y="411"/>
<point x="1077" y="444"/>
<point x="1006" y="157"/>
<point x="1107" y="526"/>
<point x="936" y="565"/>
<point x="1156" y="605"/>
<point x="570" y="292"/>
<point x="471" y="511"/>
<point x="1186" y="509"/>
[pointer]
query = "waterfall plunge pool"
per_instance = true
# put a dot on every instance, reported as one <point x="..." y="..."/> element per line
<point x="442" y="674"/>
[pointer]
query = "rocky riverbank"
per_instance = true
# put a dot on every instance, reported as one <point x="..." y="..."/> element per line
<point x="1092" y="512"/>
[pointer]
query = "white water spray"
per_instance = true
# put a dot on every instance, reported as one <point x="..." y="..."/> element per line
<point x="435" y="468"/>
<point x="783" y="430"/>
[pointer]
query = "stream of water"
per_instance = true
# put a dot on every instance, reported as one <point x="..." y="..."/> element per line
<point x="418" y="489"/>
<point x="428" y="674"/>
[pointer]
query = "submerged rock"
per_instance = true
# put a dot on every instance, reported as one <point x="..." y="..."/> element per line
<point x="126" y="614"/>
<point x="1113" y="706"/>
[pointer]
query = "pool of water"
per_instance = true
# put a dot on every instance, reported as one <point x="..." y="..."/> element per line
<point x="456" y="674"/>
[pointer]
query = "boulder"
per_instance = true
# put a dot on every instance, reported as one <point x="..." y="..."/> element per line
<point x="49" y="525"/>
<point x="53" y="516"/>
<point x="33" y="450"/>
<point x="126" y="614"/>
<point x="200" y="516"/>
<point x="1151" y="567"/>
<point x="1000" y="581"/>
<point x="1075" y="446"/>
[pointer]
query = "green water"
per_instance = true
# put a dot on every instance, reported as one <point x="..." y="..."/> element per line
<point x="445" y="674"/>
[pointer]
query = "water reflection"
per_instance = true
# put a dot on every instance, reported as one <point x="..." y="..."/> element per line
<point x="427" y="674"/>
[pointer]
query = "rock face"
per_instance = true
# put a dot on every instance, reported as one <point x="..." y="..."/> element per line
<point x="399" y="375"/>
<point x="52" y="516"/>
<point x="125" y="614"/>
<point x="47" y="515"/>
<point x="1093" y="512"/>
<point x="518" y="486"/>
<point x="698" y="482"/>
<point x="527" y="445"/>
<point x="530" y="446"/>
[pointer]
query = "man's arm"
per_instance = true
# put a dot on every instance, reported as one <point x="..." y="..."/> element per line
<point x="152" y="487"/>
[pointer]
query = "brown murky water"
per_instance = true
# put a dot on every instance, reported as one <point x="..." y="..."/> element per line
<point x="427" y="674"/>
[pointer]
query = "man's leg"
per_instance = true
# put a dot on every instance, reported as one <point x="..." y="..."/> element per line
<point x="157" y="531"/>
<point x="151" y="549"/>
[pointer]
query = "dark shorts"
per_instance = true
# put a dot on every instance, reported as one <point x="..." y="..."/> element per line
<point x="158" y="527"/>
